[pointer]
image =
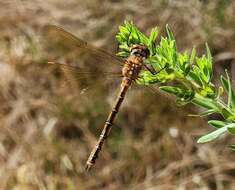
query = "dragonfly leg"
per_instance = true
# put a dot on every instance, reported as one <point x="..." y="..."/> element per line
<point x="152" y="70"/>
<point x="161" y="69"/>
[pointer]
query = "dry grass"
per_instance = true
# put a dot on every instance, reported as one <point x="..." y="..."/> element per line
<point x="47" y="129"/>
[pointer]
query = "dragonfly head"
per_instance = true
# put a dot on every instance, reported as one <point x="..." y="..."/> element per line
<point x="140" y="50"/>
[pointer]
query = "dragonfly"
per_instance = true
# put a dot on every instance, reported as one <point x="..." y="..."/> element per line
<point x="129" y="70"/>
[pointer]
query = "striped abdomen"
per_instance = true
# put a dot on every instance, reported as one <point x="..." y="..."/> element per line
<point x="130" y="71"/>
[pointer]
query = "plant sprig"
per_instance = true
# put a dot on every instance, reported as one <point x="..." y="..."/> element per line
<point x="192" y="76"/>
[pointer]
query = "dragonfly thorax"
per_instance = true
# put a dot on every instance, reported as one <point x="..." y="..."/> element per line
<point x="134" y="62"/>
<point x="132" y="67"/>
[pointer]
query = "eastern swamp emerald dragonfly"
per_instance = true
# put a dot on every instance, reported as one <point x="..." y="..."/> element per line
<point x="129" y="69"/>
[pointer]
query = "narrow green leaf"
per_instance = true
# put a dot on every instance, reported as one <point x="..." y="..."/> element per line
<point x="217" y="123"/>
<point x="205" y="102"/>
<point x="226" y="113"/>
<point x="224" y="82"/>
<point x="227" y="86"/>
<point x="203" y="114"/>
<point x="231" y="128"/>
<point x="208" y="112"/>
<point x="194" y="76"/>
<point x="153" y="34"/>
<point x="169" y="33"/>
<point x="213" y="135"/>
<point x="232" y="146"/>
<point x="229" y="90"/>
<point x="170" y="89"/>
<point x="152" y="40"/>
<point x="193" y="54"/>
<point x="209" y="62"/>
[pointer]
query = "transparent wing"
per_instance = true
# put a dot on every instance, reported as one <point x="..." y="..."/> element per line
<point x="153" y="92"/>
<point x="80" y="66"/>
<point x="66" y="48"/>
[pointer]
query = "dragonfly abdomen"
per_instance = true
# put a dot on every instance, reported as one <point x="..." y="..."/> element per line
<point x="126" y="83"/>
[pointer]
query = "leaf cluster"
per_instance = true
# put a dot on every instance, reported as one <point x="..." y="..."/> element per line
<point x="185" y="75"/>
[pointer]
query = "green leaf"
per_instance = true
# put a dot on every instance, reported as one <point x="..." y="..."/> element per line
<point x="226" y="113"/>
<point x="208" y="112"/>
<point x="229" y="90"/>
<point x="213" y="135"/>
<point x="205" y="102"/>
<point x="231" y="129"/>
<point x="193" y="54"/>
<point x="183" y="94"/>
<point x="227" y="86"/>
<point x="201" y="70"/>
<point x="153" y="34"/>
<point x="183" y="63"/>
<point x="217" y="123"/>
<point x="169" y="33"/>
<point x="232" y="146"/>
<point x="173" y="90"/>
<point x="195" y="77"/>
<point x="209" y="62"/>
<point x="152" y="40"/>
<point x="203" y="114"/>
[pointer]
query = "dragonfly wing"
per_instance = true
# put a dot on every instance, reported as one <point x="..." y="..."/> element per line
<point x="154" y="91"/>
<point x="61" y="43"/>
<point x="78" y="65"/>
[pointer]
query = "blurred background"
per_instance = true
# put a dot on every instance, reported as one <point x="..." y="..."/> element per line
<point x="48" y="127"/>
